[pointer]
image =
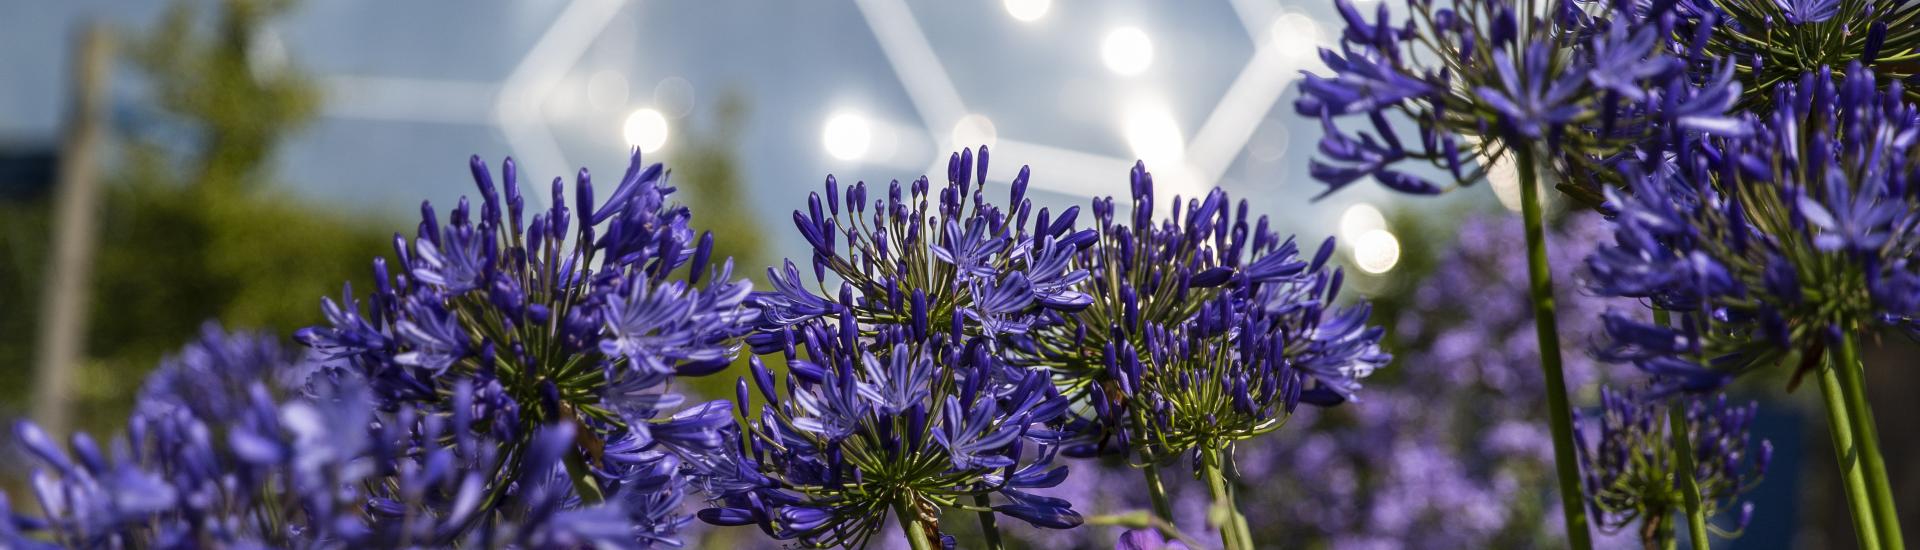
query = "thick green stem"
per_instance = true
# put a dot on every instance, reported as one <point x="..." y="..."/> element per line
<point x="1157" y="492"/>
<point x="1547" y="330"/>
<point x="1233" y="527"/>
<point x="910" y="525"/>
<point x="989" y="526"/>
<point x="1845" y="453"/>
<point x="583" y="481"/>
<point x="1684" y="472"/>
<point x="1664" y="533"/>
<point x="1879" y="489"/>
<point x="1681" y="437"/>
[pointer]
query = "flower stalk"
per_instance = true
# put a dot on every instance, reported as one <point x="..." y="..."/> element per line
<point x="1156" y="490"/>
<point x="1234" y="533"/>
<point x="1559" y="415"/>
<point x="910" y="524"/>
<point x="1872" y="464"/>
<point x="989" y="526"/>
<point x="1847" y="454"/>
<point x="1689" y="487"/>
<point x="1682" y="437"/>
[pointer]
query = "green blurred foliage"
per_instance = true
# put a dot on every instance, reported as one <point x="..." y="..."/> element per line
<point x="706" y="173"/>
<point x="191" y="229"/>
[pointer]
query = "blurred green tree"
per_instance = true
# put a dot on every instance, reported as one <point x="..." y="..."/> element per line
<point x="706" y="172"/>
<point x="192" y="227"/>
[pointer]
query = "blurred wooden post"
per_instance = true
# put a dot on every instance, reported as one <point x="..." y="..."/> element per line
<point x="63" y="301"/>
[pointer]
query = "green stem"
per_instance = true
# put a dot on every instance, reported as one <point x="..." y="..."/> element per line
<point x="1240" y="525"/>
<point x="1157" y="492"/>
<point x="989" y="526"/>
<point x="1879" y="489"/>
<point x="1844" y="451"/>
<point x="583" y="481"/>
<point x="1682" y="441"/>
<point x="910" y="525"/>
<point x="1233" y="527"/>
<point x="1684" y="472"/>
<point x="1547" y="330"/>
<point x="1665" y="532"/>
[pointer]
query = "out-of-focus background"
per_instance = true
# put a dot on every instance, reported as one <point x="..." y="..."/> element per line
<point x="165" y="163"/>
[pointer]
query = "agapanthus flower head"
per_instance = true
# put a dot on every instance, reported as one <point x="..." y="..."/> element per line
<point x="275" y="467"/>
<point x="1202" y="329"/>
<point x="1631" y="470"/>
<point x="211" y="376"/>
<point x="1778" y="41"/>
<point x="580" y="315"/>
<point x="1769" y="244"/>
<point x="897" y="396"/>
<point x="886" y="419"/>
<point x="1484" y="79"/>
<point x="947" y="247"/>
<point x="212" y="416"/>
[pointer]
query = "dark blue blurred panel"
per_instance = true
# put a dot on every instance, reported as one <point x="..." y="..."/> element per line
<point x="1776" y="512"/>
<point x="27" y="169"/>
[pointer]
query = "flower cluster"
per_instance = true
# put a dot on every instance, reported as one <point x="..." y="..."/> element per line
<point x="1771" y="244"/>
<point x="1446" y="455"/>
<point x="901" y="400"/>
<point x="222" y="454"/>
<point x="1483" y="79"/>
<point x="901" y="421"/>
<point x="970" y="262"/>
<point x="1776" y="41"/>
<point x="576" y="317"/>
<point x="1631" y="473"/>
<point x="1202" y="329"/>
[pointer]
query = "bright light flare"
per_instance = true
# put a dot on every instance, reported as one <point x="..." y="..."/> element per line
<point x="1359" y="219"/>
<point x="1127" y="51"/>
<point x="974" y="131"/>
<point x="1154" y="136"/>
<point x="1028" y="11"/>
<point x="847" y="136"/>
<point x="1295" y="35"/>
<point x="646" y="129"/>
<point x="1376" y="251"/>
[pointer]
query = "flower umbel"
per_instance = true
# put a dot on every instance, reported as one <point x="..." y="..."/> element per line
<point x="1483" y="78"/>
<point x="1201" y="330"/>
<point x="897" y="398"/>
<point x="1631" y="470"/>
<point x="577" y="316"/>
<point x="1769" y="245"/>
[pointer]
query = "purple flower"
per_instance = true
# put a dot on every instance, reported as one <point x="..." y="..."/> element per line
<point x="1207" y="303"/>
<point x="1746" y="33"/>
<point x="580" y="315"/>
<point x="1434" y="457"/>
<point x="1531" y="106"/>
<point x="897" y="394"/>
<point x="1801" y="12"/>
<point x="870" y="419"/>
<point x="1760" y="242"/>
<point x="972" y="251"/>
<point x="1147" y="539"/>
<point x="948" y="246"/>
<point x="1480" y="80"/>
<point x="1630" y="469"/>
<point x="210" y="377"/>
